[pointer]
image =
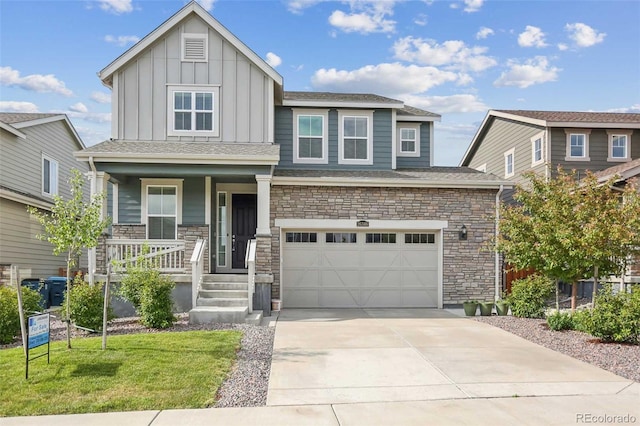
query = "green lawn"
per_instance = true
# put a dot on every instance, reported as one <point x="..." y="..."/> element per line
<point x="136" y="372"/>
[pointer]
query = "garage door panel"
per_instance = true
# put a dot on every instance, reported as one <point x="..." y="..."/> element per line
<point x="339" y="258"/>
<point x="339" y="298"/>
<point x="390" y="298"/>
<point x="303" y="257"/>
<point x="419" y="259"/>
<point x="419" y="298"/>
<point x="380" y="258"/>
<point x="301" y="298"/>
<point x="339" y="278"/>
<point x="381" y="278"/>
<point x="301" y="277"/>
<point x="419" y="278"/>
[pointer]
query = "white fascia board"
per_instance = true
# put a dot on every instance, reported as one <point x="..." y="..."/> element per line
<point x="520" y="118"/>
<point x="170" y="23"/>
<point x="15" y="132"/>
<point x="46" y="120"/>
<point x="338" y="104"/>
<point x="23" y="199"/>
<point x="391" y="183"/>
<point x="419" y="118"/>
<point x="374" y="224"/>
<point x="176" y="159"/>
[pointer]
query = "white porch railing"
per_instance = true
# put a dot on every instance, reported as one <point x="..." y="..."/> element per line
<point x="167" y="255"/>
<point x="250" y="264"/>
<point x="197" y="269"/>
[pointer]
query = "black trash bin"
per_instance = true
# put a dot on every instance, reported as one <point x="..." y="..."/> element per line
<point x="40" y="286"/>
<point x="57" y="287"/>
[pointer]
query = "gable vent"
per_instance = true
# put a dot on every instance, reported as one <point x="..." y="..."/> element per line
<point x="194" y="47"/>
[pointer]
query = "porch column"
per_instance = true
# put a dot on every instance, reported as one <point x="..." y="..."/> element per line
<point x="264" y="205"/>
<point x="98" y="183"/>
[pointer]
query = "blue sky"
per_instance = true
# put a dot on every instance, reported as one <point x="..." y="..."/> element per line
<point x="454" y="58"/>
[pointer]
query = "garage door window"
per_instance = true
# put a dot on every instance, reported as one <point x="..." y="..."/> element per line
<point x="378" y="238"/>
<point x="420" y="238"/>
<point x="341" y="237"/>
<point x="302" y="237"/>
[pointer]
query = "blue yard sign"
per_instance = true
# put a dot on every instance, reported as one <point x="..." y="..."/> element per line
<point x="37" y="335"/>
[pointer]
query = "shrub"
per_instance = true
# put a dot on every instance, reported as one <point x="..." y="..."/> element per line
<point x="150" y="294"/>
<point x="616" y="317"/>
<point x="560" y="321"/>
<point x="9" y="315"/>
<point x="87" y="304"/>
<point x="581" y="320"/>
<point x="529" y="296"/>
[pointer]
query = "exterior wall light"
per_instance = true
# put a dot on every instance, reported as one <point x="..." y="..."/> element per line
<point x="462" y="234"/>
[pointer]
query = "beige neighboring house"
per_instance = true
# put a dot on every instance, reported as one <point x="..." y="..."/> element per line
<point x="36" y="158"/>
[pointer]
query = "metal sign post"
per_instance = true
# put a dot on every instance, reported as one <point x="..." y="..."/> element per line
<point x="38" y="335"/>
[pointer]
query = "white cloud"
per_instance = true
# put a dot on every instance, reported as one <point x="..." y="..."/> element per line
<point x="33" y="82"/>
<point x="533" y="71"/>
<point x="562" y="47"/>
<point x="122" y="40"/>
<point x="472" y="5"/>
<point x="484" y="32"/>
<point x="454" y="54"/>
<point x="273" y="59"/>
<point x="362" y="22"/>
<point x="94" y="117"/>
<point x="421" y="20"/>
<point x="116" y="6"/>
<point x="388" y="79"/>
<point x="101" y="97"/>
<point x="91" y="135"/>
<point x="14" y="106"/>
<point x="635" y="108"/>
<point x="297" y="6"/>
<point x="463" y="103"/>
<point x="583" y="35"/>
<point x="79" y="107"/>
<point x="207" y="4"/>
<point x="532" y="37"/>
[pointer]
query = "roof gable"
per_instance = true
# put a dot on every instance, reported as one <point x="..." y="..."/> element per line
<point x="192" y="7"/>
<point x="15" y="122"/>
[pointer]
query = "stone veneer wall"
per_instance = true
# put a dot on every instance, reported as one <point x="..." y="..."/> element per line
<point x="468" y="271"/>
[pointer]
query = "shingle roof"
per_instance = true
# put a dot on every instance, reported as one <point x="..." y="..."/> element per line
<point x="625" y="170"/>
<point x="183" y="149"/>
<point x="338" y="97"/>
<point x="577" y="117"/>
<point x="461" y="174"/>
<point x="19" y="117"/>
<point x="408" y="110"/>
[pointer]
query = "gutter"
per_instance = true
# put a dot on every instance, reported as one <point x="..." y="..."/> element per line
<point x="497" y="259"/>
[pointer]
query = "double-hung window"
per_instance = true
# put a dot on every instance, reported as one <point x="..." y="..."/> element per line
<point x="310" y="141"/>
<point x="509" y="163"/>
<point x="193" y="111"/>
<point x="408" y="140"/>
<point x="577" y="145"/>
<point x="355" y="137"/>
<point x="162" y="207"/>
<point x="49" y="176"/>
<point x="619" y="149"/>
<point x="537" y="146"/>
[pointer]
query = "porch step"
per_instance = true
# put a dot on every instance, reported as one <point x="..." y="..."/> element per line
<point x="219" y="293"/>
<point x="225" y="278"/>
<point x="237" y="286"/>
<point x="209" y="314"/>
<point x="254" y="318"/>
<point x="222" y="301"/>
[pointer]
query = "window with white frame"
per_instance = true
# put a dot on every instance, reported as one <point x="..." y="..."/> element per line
<point x="310" y="128"/>
<point x="355" y="137"/>
<point x="408" y="140"/>
<point x="577" y="145"/>
<point x="537" y="149"/>
<point x="193" y="110"/>
<point x="619" y="146"/>
<point x="162" y="207"/>
<point x="509" y="163"/>
<point x="49" y="176"/>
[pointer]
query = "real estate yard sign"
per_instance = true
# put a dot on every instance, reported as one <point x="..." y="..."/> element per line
<point x="37" y="335"/>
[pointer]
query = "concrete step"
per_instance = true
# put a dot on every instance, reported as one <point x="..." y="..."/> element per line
<point x="254" y="318"/>
<point x="206" y="294"/>
<point x="224" y="286"/>
<point x="222" y="301"/>
<point x="229" y="278"/>
<point x="210" y="314"/>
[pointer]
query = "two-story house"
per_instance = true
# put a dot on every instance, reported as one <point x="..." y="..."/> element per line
<point x="36" y="156"/>
<point x="337" y="190"/>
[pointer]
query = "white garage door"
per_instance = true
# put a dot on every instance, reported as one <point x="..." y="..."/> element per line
<point x="340" y="269"/>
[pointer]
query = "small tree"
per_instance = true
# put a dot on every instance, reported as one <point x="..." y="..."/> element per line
<point x="71" y="226"/>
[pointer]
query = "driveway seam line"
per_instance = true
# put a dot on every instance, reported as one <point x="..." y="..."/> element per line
<point x="155" y="417"/>
<point x="333" y="410"/>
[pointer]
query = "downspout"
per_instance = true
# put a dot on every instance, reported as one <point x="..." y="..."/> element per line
<point x="497" y="259"/>
<point x="92" y="251"/>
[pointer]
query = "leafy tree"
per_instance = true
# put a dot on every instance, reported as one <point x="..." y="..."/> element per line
<point x="570" y="229"/>
<point x="71" y="226"/>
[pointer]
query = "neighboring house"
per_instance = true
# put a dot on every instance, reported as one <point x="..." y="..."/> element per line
<point x="337" y="190"/>
<point x="36" y="157"/>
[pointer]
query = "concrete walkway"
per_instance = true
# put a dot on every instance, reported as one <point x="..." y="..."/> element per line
<point x="406" y="367"/>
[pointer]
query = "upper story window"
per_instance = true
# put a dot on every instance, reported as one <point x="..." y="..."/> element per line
<point x="577" y="145"/>
<point x="355" y="137"/>
<point x="537" y="149"/>
<point x="310" y="128"/>
<point x="509" y="163"/>
<point x="193" y="110"/>
<point x="162" y="207"/>
<point x="49" y="176"/>
<point x="619" y="146"/>
<point x="194" y="47"/>
<point x="408" y="140"/>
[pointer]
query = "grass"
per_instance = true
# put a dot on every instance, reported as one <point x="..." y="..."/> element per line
<point x="136" y="372"/>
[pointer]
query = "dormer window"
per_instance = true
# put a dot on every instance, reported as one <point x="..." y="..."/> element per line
<point x="619" y="149"/>
<point x="193" y="111"/>
<point x="194" y="47"/>
<point x="355" y="137"/>
<point x="408" y="140"/>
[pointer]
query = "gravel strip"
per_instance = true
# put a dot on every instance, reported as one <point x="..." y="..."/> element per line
<point x="620" y="359"/>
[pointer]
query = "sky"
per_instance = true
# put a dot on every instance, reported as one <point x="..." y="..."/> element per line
<point x="456" y="58"/>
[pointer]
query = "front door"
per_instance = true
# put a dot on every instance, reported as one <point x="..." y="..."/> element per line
<point x="244" y="217"/>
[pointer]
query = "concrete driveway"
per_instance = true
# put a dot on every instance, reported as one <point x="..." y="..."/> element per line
<point x="347" y="356"/>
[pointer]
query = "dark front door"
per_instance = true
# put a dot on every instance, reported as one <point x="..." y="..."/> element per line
<point x="244" y="218"/>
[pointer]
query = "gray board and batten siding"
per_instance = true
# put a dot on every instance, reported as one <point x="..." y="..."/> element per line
<point x="246" y="92"/>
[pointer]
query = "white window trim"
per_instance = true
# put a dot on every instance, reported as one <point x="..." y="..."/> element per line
<point x="586" y="134"/>
<point x="194" y="36"/>
<point x="53" y="191"/>
<point x="610" y="135"/>
<point x="416" y="151"/>
<point x="324" y="113"/>
<point x="355" y="113"/>
<point x="145" y="183"/>
<point x="512" y="153"/>
<point x="215" y="89"/>
<point x="534" y="162"/>
<point x="482" y="168"/>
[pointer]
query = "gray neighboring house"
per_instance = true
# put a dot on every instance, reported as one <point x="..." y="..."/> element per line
<point x="36" y="156"/>
<point x="337" y="191"/>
